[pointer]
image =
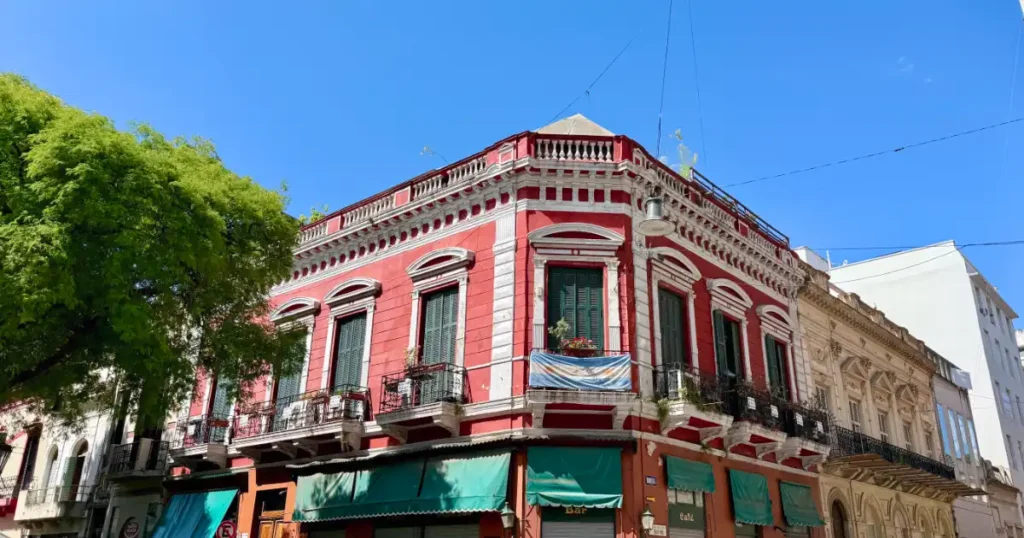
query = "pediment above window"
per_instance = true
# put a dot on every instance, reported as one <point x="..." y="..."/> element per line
<point x="676" y="262"/>
<point x="884" y="381"/>
<point x="439" y="262"/>
<point x="859" y="367"/>
<point x="576" y="237"/>
<point x="352" y="290"/>
<point x="907" y="393"/>
<point x="299" y="307"/>
<point x="728" y="294"/>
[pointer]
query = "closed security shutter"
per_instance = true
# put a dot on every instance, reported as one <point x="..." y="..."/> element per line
<point x="439" y="324"/>
<point x="397" y="532"/>
<point x="452" y="531"/>
<point x="674" y="532"/>
<point x="577" y="295"/>
<point x="327" y="534"/>
<point x="673" y="336"/>
<point x="348" y="361"/>
<point x="577" y="529"/>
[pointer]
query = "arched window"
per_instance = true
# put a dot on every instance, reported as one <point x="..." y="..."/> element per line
<point x="874" y="521"/>
<point x="839" y="524"/>
<point x="52" y="468"/>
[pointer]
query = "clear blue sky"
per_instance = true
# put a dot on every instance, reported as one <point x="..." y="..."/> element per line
<point x="338" y="98"/>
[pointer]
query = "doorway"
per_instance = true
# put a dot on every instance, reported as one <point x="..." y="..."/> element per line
<point x="838" y="520"/>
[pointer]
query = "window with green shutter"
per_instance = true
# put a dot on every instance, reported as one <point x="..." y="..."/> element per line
<point x="350" y="339"/>
<point x="671" y="316"/>
<point x="775" y="353"/>
<point x="728" y="352"/>
<point x="577" y="295"/>
<point x="288" y="386"/>
<point x="220" y="405"/>
<point x="440" y="319"/>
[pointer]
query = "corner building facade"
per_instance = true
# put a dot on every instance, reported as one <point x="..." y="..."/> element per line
<point x="433" y="394"/>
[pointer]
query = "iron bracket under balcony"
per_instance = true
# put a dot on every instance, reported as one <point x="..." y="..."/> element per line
<point x="200" y="442"/>
<point x="617" y="405"/>
<point x="709" y="425"/>
<point x="759" y="422"/>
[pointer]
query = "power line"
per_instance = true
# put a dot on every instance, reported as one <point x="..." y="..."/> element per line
<point x="664" y="71"/>
<point x="957" y="249"/>
<point x="917" y="247"/>
<point x="878" y="153"/>
<point x="696" y="82"/>
<point x="594" y="82"/>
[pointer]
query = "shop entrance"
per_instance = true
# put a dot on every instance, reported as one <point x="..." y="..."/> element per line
<point x="271" y="505"/>
<point x="429" y="531"/>
<point x="574" y="522"/>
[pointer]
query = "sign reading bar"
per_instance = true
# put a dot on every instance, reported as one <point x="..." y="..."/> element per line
<point x="575" y="510"/>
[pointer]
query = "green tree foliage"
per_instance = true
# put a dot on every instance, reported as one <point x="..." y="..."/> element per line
<point x="129" y="260"/>
<point x="315" y="214"/>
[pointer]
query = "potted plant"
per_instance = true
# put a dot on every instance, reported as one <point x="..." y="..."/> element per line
<point x="579" y="346"/>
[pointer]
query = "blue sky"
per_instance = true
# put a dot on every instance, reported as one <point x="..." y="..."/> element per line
<point x="338" y="98"/>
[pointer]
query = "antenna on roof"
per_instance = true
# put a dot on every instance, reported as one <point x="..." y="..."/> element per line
<point x="431" y="153"/>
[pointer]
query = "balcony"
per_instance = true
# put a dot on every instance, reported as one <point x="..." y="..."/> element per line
<point x="304" y="422"/>
<point x="199" y="441"/>
<point x="9" y="489"/>
<point x="862" y="457"/>
<point x="580" y="388"/>
<point x="141" y="459"/>
<point x="53" y="503"/>
<point x="424" y="396"/>
<point x="692" y="404"/>
<point x="758" y="420"/>
<point x="808" y="430"/>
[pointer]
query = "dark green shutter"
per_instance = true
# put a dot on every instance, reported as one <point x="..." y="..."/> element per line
<point x="774" y="375"/>
<point x="577" y="295"/>
<point x="439" y="326"/>
<point x="673" y="329"/>
<point x="348" y="360"/>
<point x="288" y="386"/>
<point x="735" y="355"/>
<point x="721" y="344"/>
<point x="221" y="404"/>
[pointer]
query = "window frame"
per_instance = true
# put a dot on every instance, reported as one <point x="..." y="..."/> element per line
<point x="883" y="425"/>
<point x="776" y="323"/>
<point x="350" y="298"/>
<point x="674" y="272"/>
<point x="428" y="276"/>
<point x="729" y="298"/>
<point x="300" y="311"/>
<point x="858" y="424"/>
<point x="603" y="296"/>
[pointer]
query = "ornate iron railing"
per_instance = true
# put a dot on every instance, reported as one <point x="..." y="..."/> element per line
<point x="806" y="422"/>
<point x="199" y="430"/>
<point x="757" y="405"/>
<point x="9" y="487"/>
<point x="704" y="389"/>
<point x="345" y="402"/>
<point x="124" y="458"/>
<point x="423" y="384"/>
<point x="58" y="494"/>
<point x="850" y="443"/>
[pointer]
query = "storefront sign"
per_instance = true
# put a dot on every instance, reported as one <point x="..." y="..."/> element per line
<point x="226" y="530"/>
<point x="130" y="529"/>
<point x="651" y="481"/>
<point x="686" y="516"/>
<point x="659" y="530"/>
<point x="575" y="510"/>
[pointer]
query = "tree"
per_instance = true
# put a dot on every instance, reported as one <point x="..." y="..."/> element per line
<point x="315" y="214"/>
<point x="131" y="261"/>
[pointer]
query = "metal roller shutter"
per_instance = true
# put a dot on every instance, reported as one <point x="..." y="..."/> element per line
<point x="452" y="531"/>
<point x="674" y="532"/>
<point x="577" y="529"/>
<point x="397" y="532"/>
<point x="327" y="534"/>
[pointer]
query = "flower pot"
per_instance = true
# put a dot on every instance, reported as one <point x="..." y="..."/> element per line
<point x="579" y="352"/>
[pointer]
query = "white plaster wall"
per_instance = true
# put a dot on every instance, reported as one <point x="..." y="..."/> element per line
<point x="930" y="292"/>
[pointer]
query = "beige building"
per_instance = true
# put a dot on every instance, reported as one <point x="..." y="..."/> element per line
<point x="1002" y="498"/>
<point x="884" y="476"/>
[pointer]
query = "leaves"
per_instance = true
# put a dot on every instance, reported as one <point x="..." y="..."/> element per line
<point x="129" y="260"/>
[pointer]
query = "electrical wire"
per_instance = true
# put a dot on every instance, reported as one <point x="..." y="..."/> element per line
<point x="594" y="82"/>
<point x="696" y="82"/>
<point x="878" y="153"/>
<point x="918" y="247"/>
<point x="664" y="72"/>
<point x="957" y="249"/>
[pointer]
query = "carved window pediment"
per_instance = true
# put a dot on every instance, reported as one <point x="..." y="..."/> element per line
<point x="907" y="394"/>
<point x="439" y="262"/>
<point x="884" y="382"/>
<point x="300" y="307"/>
<point x="859" y="367"/>
<point x="353" y="290"/>
<point x="575" y="236"/>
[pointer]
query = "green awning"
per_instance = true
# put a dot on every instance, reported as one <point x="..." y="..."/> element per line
<point x="689" y="475"/>
<point x="798" y="506"/>
<point x="475" y="483"/>
<point x="570" y="476"/>
<point x="750" y="501"/>
<point x="195" y="515"/>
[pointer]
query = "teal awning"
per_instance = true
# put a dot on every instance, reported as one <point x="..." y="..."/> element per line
<point x="474" y="483"/>
<point x="798" y="506"/>
<point x="571" y="476"/>
<point x="689" y="475"/>
<point x="195" y="515"/>
<point x="750" y="501"/>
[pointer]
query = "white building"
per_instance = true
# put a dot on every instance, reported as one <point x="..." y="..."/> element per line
<point x="940" y="296"/>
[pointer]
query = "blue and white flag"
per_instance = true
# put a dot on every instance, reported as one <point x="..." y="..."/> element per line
<point x="551" y="371"/>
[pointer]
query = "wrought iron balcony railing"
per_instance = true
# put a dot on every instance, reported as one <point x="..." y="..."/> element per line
<point x="423" y="384"/>
<point x="9" y="487"/>
<point x="807" y="422"/>
<point x="850" y="443"/>
<point x="757" y="405"/>
<point x="58" y="494"/>
<point x="141" y="455"/>
<point x="345" y="402"/>
<point x="198" y="430"/>
<point x="703" y="389"/>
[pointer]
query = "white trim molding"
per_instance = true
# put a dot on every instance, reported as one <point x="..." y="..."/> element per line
<point x="298" y="311"/>
<point x="669" y="266"/>
<point x="776" y="322"/>
<point x="348" y="298"/>
<point x="431" y="272"/>
<point x="600" y="247"/>
<point x="298" y="307"/>
<point x="730" y="298"/>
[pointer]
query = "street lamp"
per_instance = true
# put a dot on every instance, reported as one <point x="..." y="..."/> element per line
<point x="655" y="224"/>
<point x="508" y="519"/>
<point x="647" y="520"/>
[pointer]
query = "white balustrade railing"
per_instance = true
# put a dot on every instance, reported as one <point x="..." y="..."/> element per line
<point x="368" y="211"/>
<point x="576" y="150"/>
<point x="429" y="186"/>
<point x="313" y="233"/>
<point x="464" y="171"/>
<point x="718" y="214"/>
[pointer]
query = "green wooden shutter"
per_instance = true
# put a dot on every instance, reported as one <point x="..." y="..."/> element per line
<point x="735" y="355"/>
<point x="221" y="405"/>
<point x="439" y="326"/>
<point x="288" y="386"/>
<point x="721" y="344"/>
<point x="348" y="359"/>
<point x="673" y="333"/>
<point x="772" y="356"/>
<point x="577" y="295"/>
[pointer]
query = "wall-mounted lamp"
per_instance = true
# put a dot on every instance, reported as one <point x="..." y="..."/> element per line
<point x="655" y="224"/>
<point x="647" y="521"/>
<point x="508" y="519"/>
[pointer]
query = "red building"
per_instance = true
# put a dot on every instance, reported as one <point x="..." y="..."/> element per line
<point x="433" y="392"/>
